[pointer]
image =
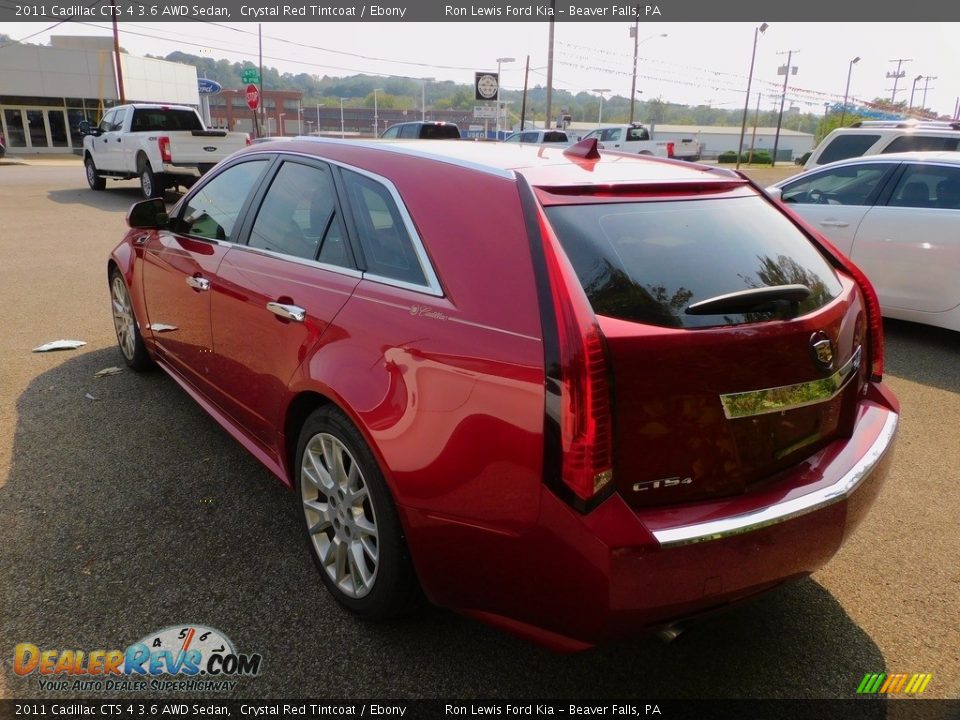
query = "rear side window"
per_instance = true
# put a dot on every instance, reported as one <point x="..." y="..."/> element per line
<point x="408" y="131"/>
<point x="439" y="132"/>
<point x="391" y="132"/>
<point x="551" y="137"/>
<point x="928" y="186"/>
<point x="386" y="244"/>
<point x="846" y="146"/>
<point x="909" y="143"/>
<point x="648" y="261"/>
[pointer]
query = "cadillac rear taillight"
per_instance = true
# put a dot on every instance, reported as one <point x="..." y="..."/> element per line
<point x="580" y="403"/>
<point x="874" y="320"/>
<point x="163" y="142"/>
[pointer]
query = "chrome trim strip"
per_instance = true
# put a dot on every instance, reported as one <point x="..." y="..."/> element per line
<point x="781" y="512"/>
<point x="338" y="269"/>
<point x="790" y="397"/>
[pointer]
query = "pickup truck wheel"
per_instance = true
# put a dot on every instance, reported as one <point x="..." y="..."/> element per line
<point x="150" y="185"/>
<point x="95" y="181"/>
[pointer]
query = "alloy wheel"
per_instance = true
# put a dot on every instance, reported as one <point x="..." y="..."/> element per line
<point x="123" y="320"/>
<point x="339" y="513"/>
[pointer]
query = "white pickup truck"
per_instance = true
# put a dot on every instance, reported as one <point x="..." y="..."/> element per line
<point x="162" y="145"/>
<point x="637" y="139"/>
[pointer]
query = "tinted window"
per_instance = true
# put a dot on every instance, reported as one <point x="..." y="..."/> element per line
<point x="846" y="146"/>
<point x="298" y="214"/>
<point x="647" y="262"/>
<point x="440" y="132"/>
<point x="212" y="212"/>
<point x="928" y="186"/>
<point x="386" y="244"/>
<point x="160" y="119"/>
<point x="408" y="131"/>
<point x="638" y="134"/>
<point x="853" y="185"/>
<point x="392" y="132"/>
<point x="909" y="143"/>
<point x="551" y="137"/>
<point x="529" y="137"/>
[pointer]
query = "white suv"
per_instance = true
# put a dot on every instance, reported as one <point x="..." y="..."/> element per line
<point x="879" y="137"/>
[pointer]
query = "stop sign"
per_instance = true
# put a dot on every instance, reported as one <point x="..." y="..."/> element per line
<point x="253" y="97"/>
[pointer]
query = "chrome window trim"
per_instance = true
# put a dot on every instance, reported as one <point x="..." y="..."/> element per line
<point x="780" y="399"/>
<point x="339" y="269"/>
<point x="426" y="267"/>
<point x="783" y="511"/>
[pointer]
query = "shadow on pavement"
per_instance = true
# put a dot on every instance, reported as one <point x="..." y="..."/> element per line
<point x="133" y="512"/>
<point x="922" y="354"/>
<point x="116" y="197"/>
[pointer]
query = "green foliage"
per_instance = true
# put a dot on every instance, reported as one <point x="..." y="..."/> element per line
<point x="759" y="157"/>
<point x="832" y="121"/>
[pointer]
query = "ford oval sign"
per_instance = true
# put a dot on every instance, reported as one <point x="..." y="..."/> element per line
<point x="208" y="87"/>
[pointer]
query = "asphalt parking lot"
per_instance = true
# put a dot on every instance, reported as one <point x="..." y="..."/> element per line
<point x="124" y="509"/>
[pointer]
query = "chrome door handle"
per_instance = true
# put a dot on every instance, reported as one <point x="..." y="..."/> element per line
<point x="198" y="283"/>
<point x="287" y="312"/>
<point x="834" y="223"/>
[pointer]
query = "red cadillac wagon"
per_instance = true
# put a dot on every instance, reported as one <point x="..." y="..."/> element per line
<point x="574" y="394"/>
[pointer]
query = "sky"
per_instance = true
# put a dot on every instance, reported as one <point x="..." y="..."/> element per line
<point x="696" y="63"/>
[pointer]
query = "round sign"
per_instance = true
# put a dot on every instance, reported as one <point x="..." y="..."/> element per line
<point x="205" y="86"/>
<point x="487" y="86"/>
<point x="253" y="97"/>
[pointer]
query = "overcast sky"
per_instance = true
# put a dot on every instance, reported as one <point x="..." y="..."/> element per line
<point x="697" y="63"/>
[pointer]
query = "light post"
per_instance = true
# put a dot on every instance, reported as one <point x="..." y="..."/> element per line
<point x="846" y="93"/>
<point x="280" y="127"/>
<point x="600" y="112"/>
<point x="917" y="79"/>
<point x="342" y="133"/>
<point x="783" y="98"/>
<point x="499" y="86"/>
<point x="376" y="114"/>
<point x="636" y="44"/>
<point x="746" y="104"/>
<point x="423" y="97"/>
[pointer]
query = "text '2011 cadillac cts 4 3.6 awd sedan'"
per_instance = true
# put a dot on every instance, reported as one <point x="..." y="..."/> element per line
<point x="574" y="394"/>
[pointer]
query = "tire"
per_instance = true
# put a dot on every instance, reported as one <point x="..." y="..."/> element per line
<point x="151" y="185"/>
<point x="95" y="181"/>
<point x="351" y="523"/>
<point x="126" y="326"/>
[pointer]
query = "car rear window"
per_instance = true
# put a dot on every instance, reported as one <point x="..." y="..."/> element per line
<point x="160" y="119"/>
<point x="846" y="146"/>
<point x="648" y="261"/>
<point x="440" y="132"/>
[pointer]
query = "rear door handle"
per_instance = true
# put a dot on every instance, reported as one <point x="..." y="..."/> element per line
<point x="198" y="283"/>
<point x="287" y="312"/>
<point x="834" y="223"/>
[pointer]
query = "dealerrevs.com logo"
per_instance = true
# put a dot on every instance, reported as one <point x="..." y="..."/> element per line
<point x="185" y="658"/>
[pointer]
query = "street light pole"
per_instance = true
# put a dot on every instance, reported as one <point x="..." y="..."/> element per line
<point x="846" y="93"/>
<point x="913" y="89"/>
<point x="636" y="44"/>
<point x="342" y="133"/>
<point x="499" y="85"/>
<point x="423" y="98"/>
<point x="600" y="113"/>
<point x="783" y="99"/>
<point x="746" y="104"/>
<point x="376" y="115"/>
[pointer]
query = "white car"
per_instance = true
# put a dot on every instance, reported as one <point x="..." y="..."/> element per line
<point x="879" y="137"/>
<point x="539" y="137"/>
<point x="897" y="216"/>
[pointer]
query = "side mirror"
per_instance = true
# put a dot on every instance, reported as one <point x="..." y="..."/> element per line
<point x="151" y="214"/>
<point x="84" y="127"/>
<point x="775" y="194"/>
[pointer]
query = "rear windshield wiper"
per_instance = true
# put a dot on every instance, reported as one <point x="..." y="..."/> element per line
<point x="778" y="299"/>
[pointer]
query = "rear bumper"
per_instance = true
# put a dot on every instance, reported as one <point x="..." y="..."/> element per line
<point x="576" y="580"/>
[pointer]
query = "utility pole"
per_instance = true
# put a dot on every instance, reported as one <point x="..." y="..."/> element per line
<point x="548" y="123"/>
<point x="523" y="105"/>
<point x="263" y="100"/>
<point x="783" y="98"/>
<point x="897" y="75"/>
<point x="116" y="54"/>
<point x="913" y="89"/>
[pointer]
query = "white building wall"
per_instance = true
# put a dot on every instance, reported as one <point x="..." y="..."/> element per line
<point x="36" y="70"/>
<point x="152" y="80"/>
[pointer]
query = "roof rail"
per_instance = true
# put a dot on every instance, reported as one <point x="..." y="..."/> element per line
<point x="909" y="123"/>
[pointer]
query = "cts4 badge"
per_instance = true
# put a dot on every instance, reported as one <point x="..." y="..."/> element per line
<point x="662" y="483"/>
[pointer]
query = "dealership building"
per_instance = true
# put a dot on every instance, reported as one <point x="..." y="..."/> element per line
<point x="46" y="90"/>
